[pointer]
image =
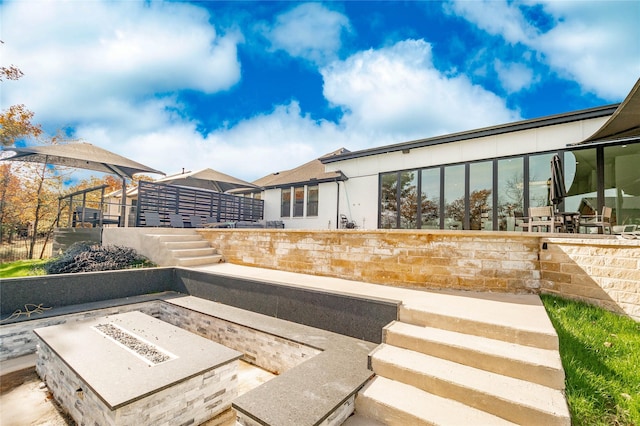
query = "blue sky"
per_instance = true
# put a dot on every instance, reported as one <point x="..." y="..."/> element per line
<point x="250" y="88"/>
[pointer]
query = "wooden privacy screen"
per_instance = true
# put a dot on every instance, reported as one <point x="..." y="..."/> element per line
<point x="169" y="199"/>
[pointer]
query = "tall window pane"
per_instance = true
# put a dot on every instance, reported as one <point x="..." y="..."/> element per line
<point x="298" y="206"/>
<point x="481" y="195"/>
<point x="510" y="192"/>
<point x="409" y="199"/>
<point x="430" y="198"/>
<point x="312" y="200"/>
<point x="622" y="185"/>
<point x="285" y="202"/>
<point x="388" y="200"/>
<point x="539" y="180"/>
<point x="581" y="181"/>
<point x="453" y="197"/>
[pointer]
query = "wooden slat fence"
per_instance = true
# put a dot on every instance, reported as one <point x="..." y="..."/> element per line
<point x="168" y="199"/>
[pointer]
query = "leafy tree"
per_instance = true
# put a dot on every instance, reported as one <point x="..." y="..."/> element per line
<point x="15" y="122"/>
<point x="9" y="211"/>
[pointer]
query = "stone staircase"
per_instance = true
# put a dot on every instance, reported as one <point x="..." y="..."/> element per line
<point x="437" y="370"/>
<point x="179" y="247"/>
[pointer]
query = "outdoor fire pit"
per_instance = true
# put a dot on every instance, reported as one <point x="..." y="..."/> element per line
<point x="132" y="369"/>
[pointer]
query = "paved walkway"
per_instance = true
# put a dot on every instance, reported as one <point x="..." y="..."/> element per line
<point x="520" y="311"/>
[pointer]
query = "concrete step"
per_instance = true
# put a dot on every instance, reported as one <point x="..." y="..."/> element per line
<point x="199" y="260"/>
<point x="193" y="252"/>
<point x="512" y="399"/>
<point x="541" y="366"/>
<point x="181" y="245"/>
<point x="538" y="337"/>
<point x="397" y="404"/>
<point x="173" y="238"/>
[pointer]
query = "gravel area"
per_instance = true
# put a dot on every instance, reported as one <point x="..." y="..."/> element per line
<point x="143" y="349"/>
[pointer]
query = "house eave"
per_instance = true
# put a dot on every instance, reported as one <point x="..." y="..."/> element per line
<point x="551" y="120"/>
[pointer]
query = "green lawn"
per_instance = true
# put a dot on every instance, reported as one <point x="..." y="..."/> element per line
<point x="22" y="268"/>
<point x="600" y="354"/>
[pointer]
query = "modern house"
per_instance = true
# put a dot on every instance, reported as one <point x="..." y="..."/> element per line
<point x="482" y="179"/>
<point x="479" y="179"/>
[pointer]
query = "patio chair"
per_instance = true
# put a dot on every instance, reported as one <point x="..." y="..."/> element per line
<point x="522" y="221"/>
<point x="176" y="220"/>
<point x="542" y="217"/>
<point x="196" y="221"/>
<point x="152" y="219"/>
<point x="346" y="223"/>
<point x="599" y="221"/>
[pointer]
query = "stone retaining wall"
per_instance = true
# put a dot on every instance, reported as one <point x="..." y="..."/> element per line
<point x="602" y="272"/>
<point x="271" y="353"/>
<point x="17" y="339"/>
<point x="597" y="269"/>
<point x="487" y="261"/>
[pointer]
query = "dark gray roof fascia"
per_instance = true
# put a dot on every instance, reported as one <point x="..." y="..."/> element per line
<point x="339" y="178"/>
<point x="550" y="120"/>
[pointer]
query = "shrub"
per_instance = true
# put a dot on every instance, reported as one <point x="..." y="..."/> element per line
<point x="88" y="257"/>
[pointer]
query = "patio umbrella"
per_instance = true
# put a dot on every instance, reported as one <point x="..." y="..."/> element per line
<point x="83" y="156"/>
<point x="557" y="190"/>
<point x="207" y="179"/>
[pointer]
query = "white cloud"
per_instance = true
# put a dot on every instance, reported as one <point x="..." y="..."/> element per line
<point x="597" y="44"/>
<point x="105" y="60"/>
<point x="397" y="92"/>
<point x="310" y="31"/>
<point x="514" y="76"/>
<point x="496" y="17"/>
<point x="279" y="140"/>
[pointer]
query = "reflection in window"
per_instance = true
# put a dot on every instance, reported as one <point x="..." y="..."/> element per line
<point x="298" y="206"/>
<point x="581" y="182"/>
<point x="539" y="180"/>
<point x="510" y="192"/>
<point x="408" y="199"/>
<point x="312" y="200"/>
<point x="388" y="200"/>
<point x="285" y="203"/>
<point x="430" y="198"/>
<point x="453" y="197"/>
<point x="621" y="183"/>
<point x="480" y="195"/>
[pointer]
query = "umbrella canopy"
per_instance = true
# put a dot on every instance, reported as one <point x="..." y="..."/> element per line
<point x="84" y="156"/>
<point x="207" y="179"/>
<point x="557" y="190"/>
<point x="81" y="156"/>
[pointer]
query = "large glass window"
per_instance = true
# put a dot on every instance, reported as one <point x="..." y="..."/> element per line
<point x="454" y="205"/>
<point x="298" y="206"/>
<point x="621" y="183"/>
<point x="312" y="200"/>
<point x="580" y="176"/>
<point x="481" y="195"/>
<point x="510" y="192"/>
<point x="409" y="199"/>
<point x="540" y="180"/>
<point x="389" y="200"/>
<point x="430" y="198"/>
<point x="285" y="202"/>
<point x="593" y="176"/>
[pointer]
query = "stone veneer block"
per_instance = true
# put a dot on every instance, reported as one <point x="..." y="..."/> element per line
<point x="99" y="381"/>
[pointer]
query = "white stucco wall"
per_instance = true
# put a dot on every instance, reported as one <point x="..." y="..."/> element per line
<point x="528" y="141"/>
<point x="327" y="209"/>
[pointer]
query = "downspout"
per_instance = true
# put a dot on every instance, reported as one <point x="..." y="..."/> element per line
<point x="338" y="205"/>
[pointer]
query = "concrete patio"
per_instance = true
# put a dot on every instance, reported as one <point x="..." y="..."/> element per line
<point x="461" y="354"/>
